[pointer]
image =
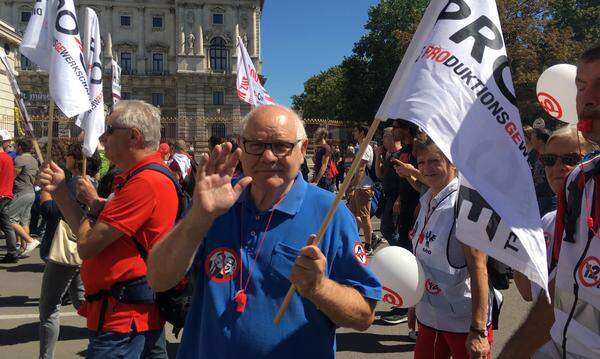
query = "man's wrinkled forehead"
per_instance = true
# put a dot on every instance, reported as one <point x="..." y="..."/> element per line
<point x="588" y="71"/>
<point x="270" y="126"/>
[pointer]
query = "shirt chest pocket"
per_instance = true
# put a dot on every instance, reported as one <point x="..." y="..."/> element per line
<point x="282" y="260"/>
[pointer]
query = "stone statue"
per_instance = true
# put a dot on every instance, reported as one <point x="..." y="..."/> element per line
<point x="245" y="39"/>
<point x="191" y="41"/>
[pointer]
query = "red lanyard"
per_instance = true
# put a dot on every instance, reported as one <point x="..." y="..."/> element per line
<point x="429" y="214"/>
<point x="241" y="298"/>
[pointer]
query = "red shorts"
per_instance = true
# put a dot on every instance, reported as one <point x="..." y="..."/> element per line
<point x="432" y="343"/>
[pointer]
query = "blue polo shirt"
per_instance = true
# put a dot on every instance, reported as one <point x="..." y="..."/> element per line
<point x="214" y="329"/>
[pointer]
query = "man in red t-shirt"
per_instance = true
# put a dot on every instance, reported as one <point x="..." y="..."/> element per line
<point x="7" y="172"/>
<point x="142" y="209"/>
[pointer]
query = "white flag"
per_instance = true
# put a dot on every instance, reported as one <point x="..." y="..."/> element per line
<point x="92" y="121"/>
<point x="36" y="39"/>
<point x="116" y="81"/>
<point x="249" y="88"/>
<point x="53" y="44"/>
<point x="454" y="82"/>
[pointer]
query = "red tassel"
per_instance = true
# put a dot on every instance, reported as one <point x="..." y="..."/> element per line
<point x="590" y="223"/>
<point x="241" y="299"/>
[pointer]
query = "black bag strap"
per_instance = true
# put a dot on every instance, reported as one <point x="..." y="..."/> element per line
<point x="164" y="170"/>
<point x="167" y="172"/>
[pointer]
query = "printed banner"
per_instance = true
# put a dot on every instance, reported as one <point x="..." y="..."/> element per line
<point x="454" y="82"/>
<point x="92" y="121"/>
<point x="52" y="42"/>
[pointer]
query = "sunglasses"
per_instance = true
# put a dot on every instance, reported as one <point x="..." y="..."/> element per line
<point x="110" y="129"/>
<point x="570" y="159"/>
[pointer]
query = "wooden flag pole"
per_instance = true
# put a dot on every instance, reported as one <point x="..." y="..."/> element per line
<point x="50" y="130"/>
<point x="84" y="167"/>
<point x="333" y="208"/>
<point x="84" y="164"/>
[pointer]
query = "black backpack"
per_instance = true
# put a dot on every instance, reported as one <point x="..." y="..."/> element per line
<point x="175" y="302"/>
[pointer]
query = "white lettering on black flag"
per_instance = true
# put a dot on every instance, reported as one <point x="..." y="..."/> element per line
<point x="92" y="121"/>
<point x="53" y="43"/>
<point x="454" y="82"/>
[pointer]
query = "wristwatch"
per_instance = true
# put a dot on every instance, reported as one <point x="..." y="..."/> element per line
<point x="481" y="332"/>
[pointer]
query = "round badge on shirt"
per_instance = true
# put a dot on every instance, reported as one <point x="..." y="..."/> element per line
<point x="222" y="265"/>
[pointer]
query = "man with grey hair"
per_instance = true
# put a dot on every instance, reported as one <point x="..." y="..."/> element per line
<point x="121" y="314"/>
<point x="249" y="242"/>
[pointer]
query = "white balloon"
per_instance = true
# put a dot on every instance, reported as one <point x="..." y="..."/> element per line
<point x="556" y="92"/>
<point x="401" y="276"/>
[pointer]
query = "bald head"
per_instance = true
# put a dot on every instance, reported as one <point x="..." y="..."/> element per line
<point x="278" y="119"/>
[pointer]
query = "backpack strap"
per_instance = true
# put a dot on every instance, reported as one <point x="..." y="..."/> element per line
<point x="167" y="172"/>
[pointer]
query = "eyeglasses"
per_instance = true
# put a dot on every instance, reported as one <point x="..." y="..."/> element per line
<point x="110" y="129"/>
<point x="570" y="159"/>
<point x="279" y="148"/>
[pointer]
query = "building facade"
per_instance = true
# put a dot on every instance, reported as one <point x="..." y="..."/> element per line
<point x="178" y="55"/>
<point x="9" y="40"/>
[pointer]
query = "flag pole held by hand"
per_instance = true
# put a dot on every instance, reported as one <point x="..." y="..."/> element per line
<point x="50" y="130"/>
<point x="332" y="209"/>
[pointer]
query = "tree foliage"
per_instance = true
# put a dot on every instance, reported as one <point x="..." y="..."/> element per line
<point x="537" y="34"/>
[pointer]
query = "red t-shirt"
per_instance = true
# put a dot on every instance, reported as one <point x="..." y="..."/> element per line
<point x="146" y="207"/>
<point x="7" y="175"/>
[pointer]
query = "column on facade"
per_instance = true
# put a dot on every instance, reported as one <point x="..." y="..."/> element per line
<point x="256" y="34"/>
<point x="142" y="56"/>
<point x="201" y="40"/>
<point x="108" y="21"/>
<point x="199" y="45"/>
<point x="180" y="30"/>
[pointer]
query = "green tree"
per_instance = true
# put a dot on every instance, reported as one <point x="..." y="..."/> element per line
<point x="322" y="96"/>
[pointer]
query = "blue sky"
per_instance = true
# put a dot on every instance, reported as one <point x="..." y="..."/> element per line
<point x="303" y="38"/>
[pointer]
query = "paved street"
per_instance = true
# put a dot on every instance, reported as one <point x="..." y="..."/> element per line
<point x="20" y="291"/>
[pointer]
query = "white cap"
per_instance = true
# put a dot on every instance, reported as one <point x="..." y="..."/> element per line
<point x="5" y="135"/>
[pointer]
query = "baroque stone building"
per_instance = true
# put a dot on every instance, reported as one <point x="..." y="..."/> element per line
<point x="9" y="40"/>
<point x="179" y="55"/>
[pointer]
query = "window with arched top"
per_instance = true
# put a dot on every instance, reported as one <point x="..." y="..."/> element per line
<point x="218" y="54"/>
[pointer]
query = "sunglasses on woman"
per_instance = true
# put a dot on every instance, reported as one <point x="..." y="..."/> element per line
<point x="569" y="159"/>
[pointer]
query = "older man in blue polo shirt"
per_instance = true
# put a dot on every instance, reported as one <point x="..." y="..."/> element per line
<point x="250" y="242"/>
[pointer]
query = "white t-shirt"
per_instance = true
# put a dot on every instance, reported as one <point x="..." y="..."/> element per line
<point x="366" y="182"/>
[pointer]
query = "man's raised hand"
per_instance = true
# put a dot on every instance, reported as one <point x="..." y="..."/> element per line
<point x="214" y="193"/>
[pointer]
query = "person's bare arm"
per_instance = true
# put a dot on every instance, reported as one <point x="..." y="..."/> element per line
<point x="87" y="194"/>
<point x="360" y="173"/>
<point x="90" y="241"/>
<point x="477" y="346"/>
<point x="344" y="305"/>
<point x="523" y="286"/>
<point x="379" y="160"/>
<point x="170" y="258"/>
<point x="534" y="332"/>
<point x="324" y="164"/>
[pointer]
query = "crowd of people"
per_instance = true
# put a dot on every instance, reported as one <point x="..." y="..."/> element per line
<point x="213" y="245"/>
